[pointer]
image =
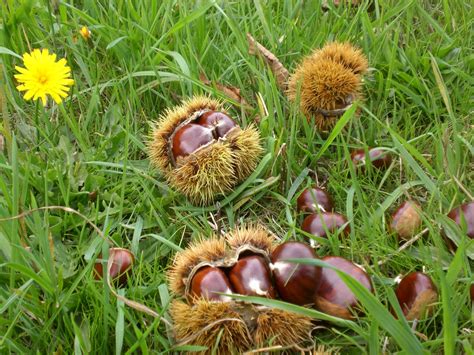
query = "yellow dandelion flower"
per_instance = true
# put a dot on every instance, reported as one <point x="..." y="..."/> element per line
<point x="43" y="76"/>
<point x="85" y="33"/>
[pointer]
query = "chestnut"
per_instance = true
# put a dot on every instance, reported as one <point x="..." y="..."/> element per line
<point x="313" y="199"/>
<point x="318" y="224"/>
<point x="122" y="262"/>
<point x="334" y="297"/>
<point x="251" y="276"/>
<point x="208" y="281"/>
<point x="218" y="122"/>
<point x="406" y="220"/>
<point x="379" y="157"/>
<point x="416" y="294"/>
<point x="464" y="214"/>
<point x="190" y="138"/>
<point x="296" y="283"/>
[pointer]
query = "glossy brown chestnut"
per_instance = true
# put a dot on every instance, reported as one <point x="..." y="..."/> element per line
<point x="218" y="122"/>
<point x="251" y="276"/>
<point x="318" y="224"/>
<point x="334" y="297"/>
<point x="416" y="294"/>
<point x="190" y="138"/>
<point x="296" y="283"/>
<point x="209" y="280"/>
<point x="313" y="199"/>
<point x="122" y="262"/>
<point x="406" y="220"/>
<point x="379" y="157"/>
<point x="464" y="213"/>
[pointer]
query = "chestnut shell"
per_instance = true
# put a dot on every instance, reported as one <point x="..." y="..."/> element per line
<point x="406" y="220"/>
<point x="218" y="122"/>
<point x="415" y="293"/>
<point x="313" y="199"/>
<point x="467" y="210"/>
<point x="296" y="283"/>
<point x="334" y="297"/>
<point x="122" y="262"/>
<point x="251" y="276"/>
<point x="380" y="158"/>
<point x="316" y="224"/>
<point x="209" y="280"/>
<point x="190" y="138"/>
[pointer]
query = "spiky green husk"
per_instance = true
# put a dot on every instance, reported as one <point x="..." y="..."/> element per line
<point x="208" y="250"/>
<point x="246" y="151"/>
<point x="223" y="323"/>
<point x="257" y="236"/>
<point x="282" y="327"/>
<point x="205" y="174"/>
<point x="344" y="53"/>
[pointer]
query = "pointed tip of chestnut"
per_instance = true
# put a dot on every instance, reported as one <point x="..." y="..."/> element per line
<point x="251" y="276"/>
<point x="406" y="220"/>
<point x="122" y="262"/>
<point x="296" y="283"/>
<point x="380" y="158"/>
<point x="319" y="224"/>
<point x="464" y="214"/>
<point x="209" y="282"/>
<point x="334" y="297"/>
<point x="313" y="199"/>
<point x="416" y="294"/>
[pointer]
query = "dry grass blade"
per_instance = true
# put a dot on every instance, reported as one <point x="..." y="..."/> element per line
<point x="280" y="72"/>
<point x="231" y="92"/>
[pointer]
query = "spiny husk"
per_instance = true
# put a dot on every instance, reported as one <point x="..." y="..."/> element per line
<point x="344" y="53"/>
<point x="205" y="174"/>
<point x="167" y="124"/>
<point x="246" y="151"/>
<point x="208" y="250"/>
<point x="254" y="235"/>
<point x="282" y="328"/>
<point x="325" y="85"/>
<point x="212" y="170"/>
<point x="205" y="322"/>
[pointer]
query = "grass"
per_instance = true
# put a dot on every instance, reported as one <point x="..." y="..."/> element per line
<point x="90" y="154"/>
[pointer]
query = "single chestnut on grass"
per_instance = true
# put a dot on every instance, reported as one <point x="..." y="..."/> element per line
<point x="251" y="276"/>
<point x="319" y="224"/>
<point x="380" y="158"/>
<point x="334" y="297"/>
<point x="406" y="220"/>
<point x="122" y="262"/>
<point x="201" y="151"/>
<point x="416" y="294"/>
<point x="464" y="216"/>
<point x="313" y="199"/>
<point x="296" y="283"/>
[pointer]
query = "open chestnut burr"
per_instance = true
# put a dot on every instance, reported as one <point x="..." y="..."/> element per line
<point x="238" y="264"/>
<point x="296" y="283"/>
<point x="333" y="296"/>
<point x="122" y="262"/>
<point x="416" y="294"/>
<point x="319" y="224"/>
<point x="380" y="158"/>
<point x="202" y="151"/>
<point x="314" y="199"/>
<point x="406" y="220"/>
